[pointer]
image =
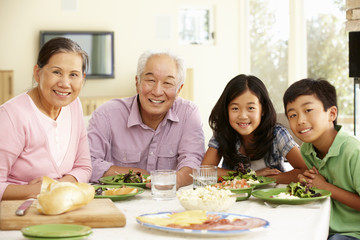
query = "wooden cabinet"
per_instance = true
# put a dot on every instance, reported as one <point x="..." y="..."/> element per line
<point x="6" y="85"/>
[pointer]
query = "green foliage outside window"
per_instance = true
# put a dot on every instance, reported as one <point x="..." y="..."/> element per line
<point x="327" y="53"/>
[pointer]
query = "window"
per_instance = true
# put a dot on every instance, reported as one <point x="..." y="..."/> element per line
<point x="196" y="25"/>
<point x="269" y="35"/>
<point x="324" y="52"/>
<point x="327" y="50"/>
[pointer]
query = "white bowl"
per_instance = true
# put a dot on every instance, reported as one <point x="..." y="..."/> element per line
<point x="208" y="198"/>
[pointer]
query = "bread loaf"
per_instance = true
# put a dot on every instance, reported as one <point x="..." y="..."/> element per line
<point x="60" y="197"/>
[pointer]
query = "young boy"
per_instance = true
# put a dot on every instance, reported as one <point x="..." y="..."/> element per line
<point x="332" y="155"/>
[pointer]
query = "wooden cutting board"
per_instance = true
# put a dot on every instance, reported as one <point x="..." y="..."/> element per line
<point x="99" y="213"/>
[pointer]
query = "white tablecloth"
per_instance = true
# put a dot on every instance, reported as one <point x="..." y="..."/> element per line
<point x="310" y="221"/>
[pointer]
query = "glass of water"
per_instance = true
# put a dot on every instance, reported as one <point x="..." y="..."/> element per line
<point x="204" y="175"/>
<point x="163" y="184"/>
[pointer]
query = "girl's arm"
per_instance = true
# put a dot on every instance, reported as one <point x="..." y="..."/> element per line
<point x="212" y="158"/>
<point x="295" y="159"/>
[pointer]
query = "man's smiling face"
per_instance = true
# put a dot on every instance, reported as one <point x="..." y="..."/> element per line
<point x="157" y="87"/>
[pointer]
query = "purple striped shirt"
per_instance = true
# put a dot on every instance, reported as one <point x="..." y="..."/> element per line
<point x="117" y="136"/>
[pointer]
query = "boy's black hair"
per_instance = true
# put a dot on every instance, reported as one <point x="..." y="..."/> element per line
<point x="321" y="88"/>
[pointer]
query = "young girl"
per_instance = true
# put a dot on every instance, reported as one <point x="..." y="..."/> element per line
<point x="245" y="131"/>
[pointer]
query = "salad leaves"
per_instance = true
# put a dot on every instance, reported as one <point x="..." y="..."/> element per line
<point x="129" y="177"/>
<point x="241" y="173"/>
<point x="302" y="190"/>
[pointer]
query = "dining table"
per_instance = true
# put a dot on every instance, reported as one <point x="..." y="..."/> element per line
<point x="302" y="221"/>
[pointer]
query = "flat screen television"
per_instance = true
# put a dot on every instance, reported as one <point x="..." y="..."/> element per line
<point x="98" y="45"/>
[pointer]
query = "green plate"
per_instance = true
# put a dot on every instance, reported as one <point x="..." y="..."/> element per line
<point x="56" y="231"/>
<point x="108" y="180"/>
<point x="245" y="191"/>
<point x="118" y="197"/>
<point x="55" y="238"/>
<point x="267" y="193"/>
<point x="266" y="181"/>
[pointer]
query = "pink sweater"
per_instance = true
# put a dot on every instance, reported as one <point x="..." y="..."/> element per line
<point x="24" y="148"/>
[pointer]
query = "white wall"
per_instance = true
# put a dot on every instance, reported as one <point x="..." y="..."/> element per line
<point x="135" y="25"/>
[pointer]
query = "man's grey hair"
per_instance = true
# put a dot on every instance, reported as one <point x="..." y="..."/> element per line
<point x="180" y="64"/>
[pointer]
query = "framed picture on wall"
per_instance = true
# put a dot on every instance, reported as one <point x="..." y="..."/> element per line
<point x="196" y="25"/>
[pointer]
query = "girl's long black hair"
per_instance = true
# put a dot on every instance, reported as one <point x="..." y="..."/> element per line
<point x="227" y="136"/>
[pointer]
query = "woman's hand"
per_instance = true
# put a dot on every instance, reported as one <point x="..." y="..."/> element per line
<point x="67" y="178"/>
<point x="36" y="181"/>
<point x="34" y="187"/>
<point x="267" y="172"/>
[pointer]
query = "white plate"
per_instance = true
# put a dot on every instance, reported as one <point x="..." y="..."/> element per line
<point x="204" y="232"/>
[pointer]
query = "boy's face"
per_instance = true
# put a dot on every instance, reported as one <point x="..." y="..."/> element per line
<point x="308" y="120"/>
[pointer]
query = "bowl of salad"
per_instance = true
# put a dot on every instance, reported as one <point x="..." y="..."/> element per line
<point x="239" y="187"/>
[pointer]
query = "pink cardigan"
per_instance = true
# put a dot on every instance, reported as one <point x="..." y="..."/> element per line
<point x="24" y="148"/>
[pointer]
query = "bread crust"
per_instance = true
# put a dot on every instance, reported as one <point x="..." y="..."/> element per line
<point x="60" y="197"/>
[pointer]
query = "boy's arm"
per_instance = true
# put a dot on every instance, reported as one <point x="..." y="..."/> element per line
<point x="313" y="177"/>
<point x="348" y="198"/>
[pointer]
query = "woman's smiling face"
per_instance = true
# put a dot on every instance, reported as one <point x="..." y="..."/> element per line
<point x="60" y="80"/>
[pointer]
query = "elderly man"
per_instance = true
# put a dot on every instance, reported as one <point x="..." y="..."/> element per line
<point x="153" y="130"/>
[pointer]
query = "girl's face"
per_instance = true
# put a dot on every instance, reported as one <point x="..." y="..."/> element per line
<point x="245" y="113"/>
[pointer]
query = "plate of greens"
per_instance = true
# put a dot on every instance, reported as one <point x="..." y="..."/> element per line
<point x="261" y="181"/>
<point x="253" y="180"/>
<point x="100" y="189"/>
<point x="127" y="179"/>
<point x="247" y="173"/>
<point x="294" y="193"/>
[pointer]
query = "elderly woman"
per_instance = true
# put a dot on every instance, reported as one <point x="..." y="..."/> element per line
<point x="42" y="131"/>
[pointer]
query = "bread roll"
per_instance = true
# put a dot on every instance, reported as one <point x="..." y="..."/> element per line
<point x="60" y="197"/>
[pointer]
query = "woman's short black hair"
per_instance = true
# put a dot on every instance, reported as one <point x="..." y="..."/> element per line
<point x="58" y="45"/>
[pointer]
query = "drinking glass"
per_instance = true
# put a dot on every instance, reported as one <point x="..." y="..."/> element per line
<point x="204" y="175"/>
<point x="163" y="184"/>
